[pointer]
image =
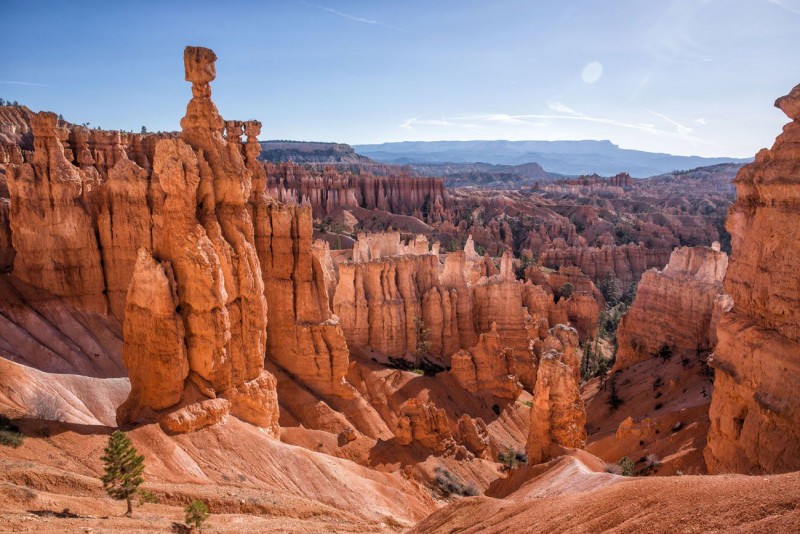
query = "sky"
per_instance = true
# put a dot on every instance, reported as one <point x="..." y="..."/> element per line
<point x="689" y="77"/>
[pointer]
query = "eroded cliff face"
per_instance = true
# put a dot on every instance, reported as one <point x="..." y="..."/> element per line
<point x="329" y="189"/>
<point x="305" y="338"/>
<point x="391" y="295"/>
<point x="755" y="409"/>
<point x="678" y="307"/>
<point x="50" y="220"/>
<point x="626" y="263"/>
<point x="547" y="306"/>
<point x="85" y="204"/>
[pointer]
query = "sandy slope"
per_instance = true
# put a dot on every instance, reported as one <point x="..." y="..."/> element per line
<point x="571" y="497"/>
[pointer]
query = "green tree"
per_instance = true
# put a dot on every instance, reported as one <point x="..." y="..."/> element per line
<point x="611" y="289"/>
<point x="144" y="129"/>
<point x="196" y="513"/>
<point x="423" y="341"/>
<point x="123" y="469"/>
<point x="564" y="292"/>
<point x="587" y="356"/>
<point x="511" y="458"/>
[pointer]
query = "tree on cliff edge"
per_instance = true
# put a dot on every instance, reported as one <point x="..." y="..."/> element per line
<point x="123" y="469"/>
<point x="423" y="341"/>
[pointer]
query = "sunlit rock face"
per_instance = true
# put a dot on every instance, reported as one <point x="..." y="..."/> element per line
<point x="755" y="408"/>
<point x="678" y="307"/>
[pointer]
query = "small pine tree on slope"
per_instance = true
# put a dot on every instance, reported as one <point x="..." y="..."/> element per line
<point x="123" y="469"/>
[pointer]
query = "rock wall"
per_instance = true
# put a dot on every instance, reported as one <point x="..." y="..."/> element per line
<point x="386" y="303"/>
<point x="51" y="224"/>
<point x="305" y="338"/>
<point x="329" y="189"/>
<point x="626" y="263"/>
<point x="678" y="307"/>
<point x="755" y="409"/>
<point x="487" y="367"/>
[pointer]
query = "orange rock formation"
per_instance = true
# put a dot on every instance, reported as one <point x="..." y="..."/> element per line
<point x="678" y="307"/>
<point x="755" y="409"/>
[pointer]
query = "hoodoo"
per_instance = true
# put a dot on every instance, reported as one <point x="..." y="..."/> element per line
<point x="202" y="232"/>
<point x="755" y="409"/>
<point x="450" y="337"/>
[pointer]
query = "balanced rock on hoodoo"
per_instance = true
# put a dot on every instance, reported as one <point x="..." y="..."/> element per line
<point x="195" y="319"/>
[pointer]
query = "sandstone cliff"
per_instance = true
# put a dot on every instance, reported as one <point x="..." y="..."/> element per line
<point x="678" y="307"/>
<point x="755" y="409"/>
<point x="626" y="263"/>
<point x="328" y="189"/>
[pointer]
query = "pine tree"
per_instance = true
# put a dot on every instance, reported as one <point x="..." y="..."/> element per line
<point x="123" y="469"/>
<point x="587" y="354"/>
<point x="423" y="341"/>
<point x="196" y="513"/>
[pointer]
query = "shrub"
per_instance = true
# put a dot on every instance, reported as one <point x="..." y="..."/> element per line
<point x="10" y="436"/>
<point x="512" y="459"/>
<point x="626" y="466"/>
<point x="48" y="408"/>
<point x="196" y="513"/>
<point x="145" y="497"/>
<point x="424" y="343"/>
<point x="448" y="484"/>
<point x="658" y="382"/>
<point x="665" y="352"/>
<point x="611" y="289"/>
<point x="651" y="462"/>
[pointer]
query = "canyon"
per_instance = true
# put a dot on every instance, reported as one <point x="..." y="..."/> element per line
<point x="342" y="345"/>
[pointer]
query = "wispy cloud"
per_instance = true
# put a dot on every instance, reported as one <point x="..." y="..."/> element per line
<point x="31" y="84"/>
<point x="561" y="112"/>
<point x="788" y="5"/>
<point x="683" y="131"/>
<point x="355" y="18"/>
<point x="409" y="124"/>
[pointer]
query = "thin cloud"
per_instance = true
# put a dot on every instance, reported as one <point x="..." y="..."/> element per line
<point x="787" y="5"/>
<point x="562" y="113"/>
<point x="683" y="131"/>
<point x="409" y="124"/>
<point x="355" y="18"/>
<point x="31" y="84"/>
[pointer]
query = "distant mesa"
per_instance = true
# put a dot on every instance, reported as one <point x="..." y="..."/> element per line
<point x="561" y="157"/>
<point x="310" y="152"/>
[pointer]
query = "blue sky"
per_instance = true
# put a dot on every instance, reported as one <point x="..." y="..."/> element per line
<point x="679" y="76"/>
